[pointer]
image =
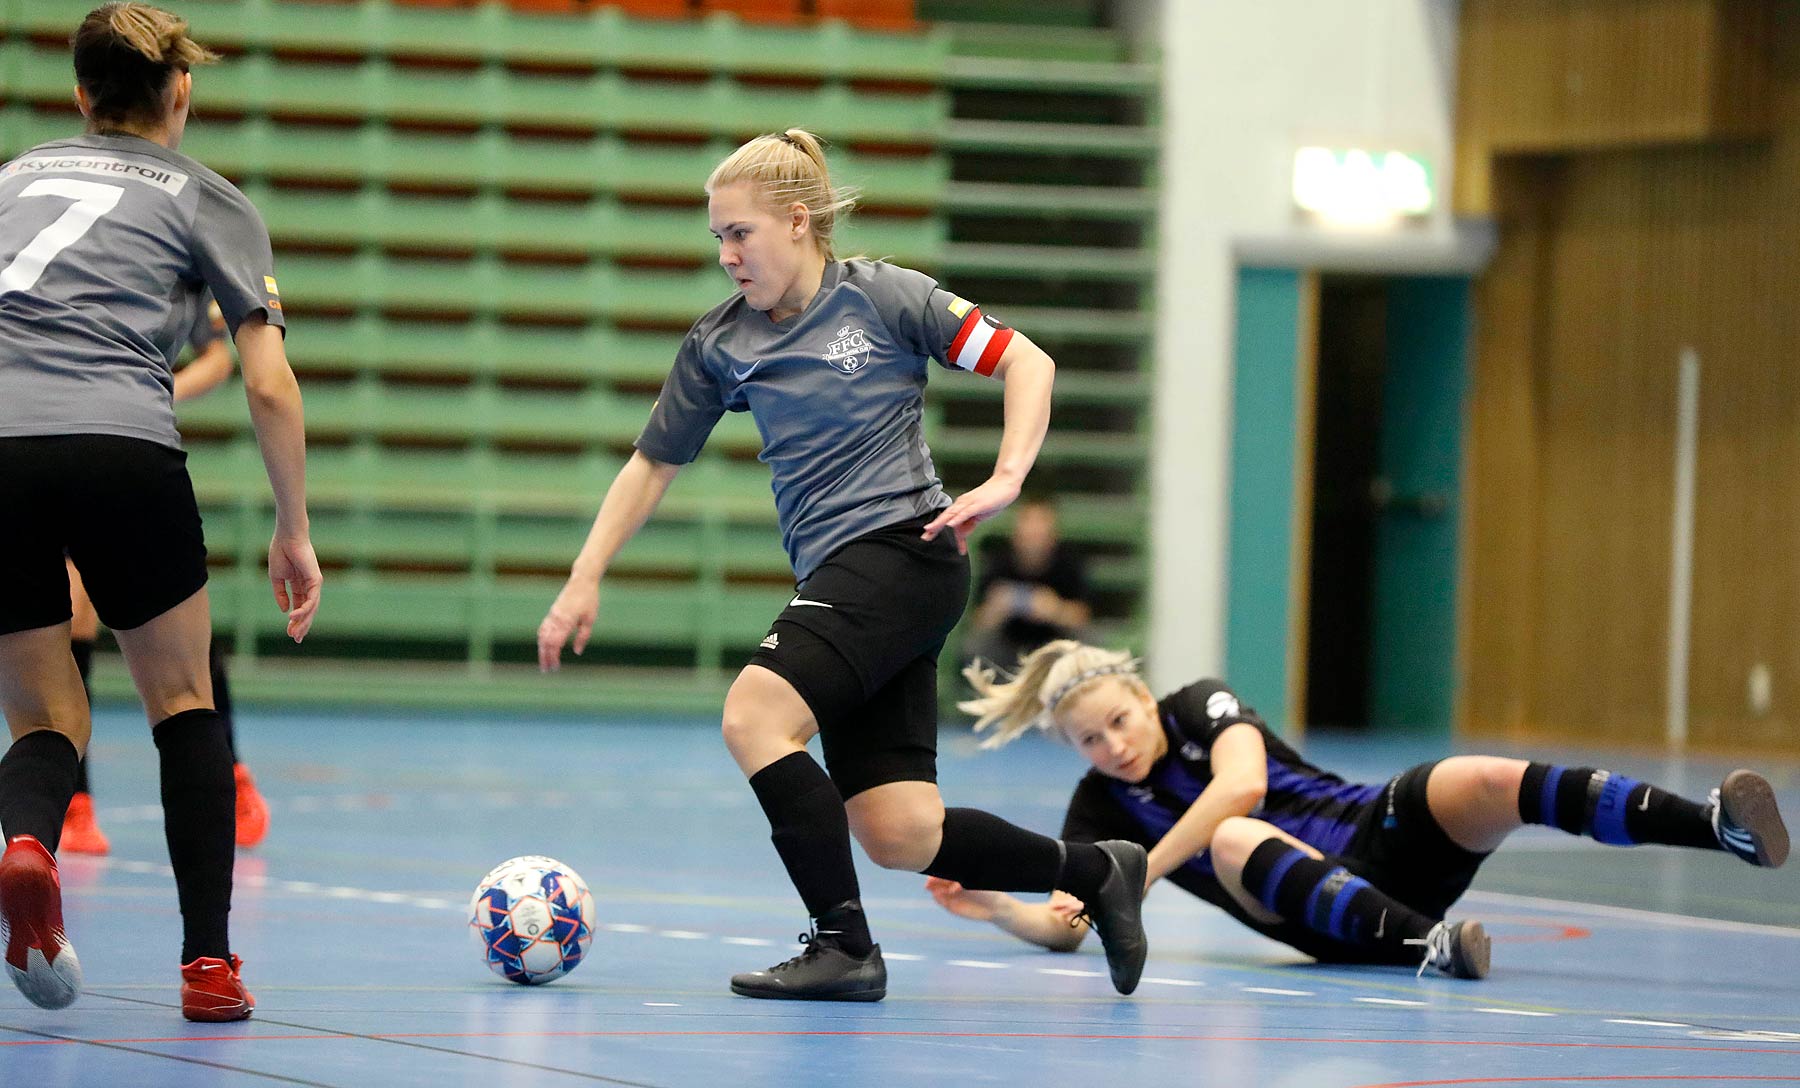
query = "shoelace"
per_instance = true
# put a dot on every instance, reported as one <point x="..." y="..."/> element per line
<point x="811" y="948"/>
<point x="1437" y="948"/>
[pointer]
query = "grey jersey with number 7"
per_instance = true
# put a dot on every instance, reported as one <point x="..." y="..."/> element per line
<point x="108" y="245"/>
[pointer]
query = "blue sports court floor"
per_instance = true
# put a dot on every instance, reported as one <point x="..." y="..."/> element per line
<point x="351" y="920"/>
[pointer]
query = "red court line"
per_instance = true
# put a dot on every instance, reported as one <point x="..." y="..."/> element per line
<point x="1509" y="1044"/>
<point x="1635" y="1078"/>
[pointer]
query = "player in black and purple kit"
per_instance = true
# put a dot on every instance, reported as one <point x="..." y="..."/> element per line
<point x="830" y="357"/>
<point x="1342" y="871"/>
<point x="108" y="242"/>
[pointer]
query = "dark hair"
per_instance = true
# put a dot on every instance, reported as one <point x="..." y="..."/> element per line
<point x="125" y="54"/>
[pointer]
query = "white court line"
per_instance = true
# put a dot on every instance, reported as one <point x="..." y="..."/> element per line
<point x="1388" y="1001"/>
<point x="903" y="957"/>
<point x="759" y="942"/>
<point x="985" y="965"/>
<point x="1685" y="921"/>
<point x="1278" y="993"/>
<point x="682" y="934"/>
<point x="662" y="1005"/>
<point x="1651" y="1023"/>
<point x="1174" y="982"/>
<point x="1068" y="973"/>
<point x="625" y="927"/>
<point x="1515" y="1012"/>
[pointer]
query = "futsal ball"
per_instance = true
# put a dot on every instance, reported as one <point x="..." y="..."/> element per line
<point x="534" y="919"/>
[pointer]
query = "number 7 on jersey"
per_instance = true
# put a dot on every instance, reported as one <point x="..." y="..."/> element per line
<point x="92" y="200"/>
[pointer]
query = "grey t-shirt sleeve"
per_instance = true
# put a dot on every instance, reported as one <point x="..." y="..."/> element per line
<point x="933" y="321"/>
<point x="686" y="411"/>
<point x="232" y="252"/>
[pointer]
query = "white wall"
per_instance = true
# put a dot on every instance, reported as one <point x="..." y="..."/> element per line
<point x="1245" y="82"/>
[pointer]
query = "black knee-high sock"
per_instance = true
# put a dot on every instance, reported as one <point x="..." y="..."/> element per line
<point x="200" y="821"/>
<point x="982" y="851"/>
<point x="1611" y="808"/>
<point x="221" y="685"/>
<point x="811" y="833"/>
<point x="83" y="649"/>
<point x="37" y="778"/>
<point x="1327" y="899"/>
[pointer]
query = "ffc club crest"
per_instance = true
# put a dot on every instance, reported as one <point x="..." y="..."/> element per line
<point x="850" y="351"/>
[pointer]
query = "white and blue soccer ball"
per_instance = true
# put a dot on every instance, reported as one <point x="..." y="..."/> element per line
<point x="534" y="919"/>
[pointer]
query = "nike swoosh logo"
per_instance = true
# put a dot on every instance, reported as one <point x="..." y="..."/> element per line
<point x="1644" y="805"/>
<point x="798" y="603"/>
<point x="1381" y="926"/>
<point x="738" y="376"/>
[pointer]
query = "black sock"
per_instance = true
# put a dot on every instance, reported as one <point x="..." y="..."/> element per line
<point x="1084" y="868"/>
<point x="811" y="833"/>
<point x="199" y="802"/>
<point x="982" y="851"/>
<point x="37" y="778"/>
<point x="1327" y="899"/>
<point x="221" y="685"/>
<point x="1611" y="808"/>
<point x="83" y="649"/>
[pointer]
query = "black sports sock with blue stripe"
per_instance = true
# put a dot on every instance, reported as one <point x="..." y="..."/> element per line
<point x="1327" y="899"/>
<point x="1612" y="808"/>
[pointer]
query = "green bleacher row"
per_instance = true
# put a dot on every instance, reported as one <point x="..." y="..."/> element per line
<point x="604" y="37"/>
<point x="609" y="101"/>
<point x="417" y="492"/>
<point x="485" y="347"/>
<point x="373" y="153"/>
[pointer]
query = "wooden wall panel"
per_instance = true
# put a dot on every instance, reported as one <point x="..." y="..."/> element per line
<point x="1609" y="264"/>
<point x="1541" y="76"/>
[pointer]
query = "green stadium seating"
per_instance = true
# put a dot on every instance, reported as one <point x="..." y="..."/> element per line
<point x="490" y="237"/>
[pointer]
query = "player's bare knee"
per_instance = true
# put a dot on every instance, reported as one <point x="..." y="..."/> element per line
<point x="1235" y="838"/>
<point x="901" y="837"/>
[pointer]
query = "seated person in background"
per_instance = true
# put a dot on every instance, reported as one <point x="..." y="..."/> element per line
<point x="1033" y="588"/>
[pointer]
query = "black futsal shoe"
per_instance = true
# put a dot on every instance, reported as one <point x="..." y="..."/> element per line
<point x="1116" y="913"/>
<point x="1458" y="949"/>
<point x="1747" y="820"/>
<point x="821" y="972"/>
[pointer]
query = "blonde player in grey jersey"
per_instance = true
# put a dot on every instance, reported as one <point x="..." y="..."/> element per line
<point x="831" y="357"/>
<point x="108" y="241"/>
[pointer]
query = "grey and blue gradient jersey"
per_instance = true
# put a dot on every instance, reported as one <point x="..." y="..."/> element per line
<point x="1314" y="806"/>
<point x="837" y="393"/>
<point x="108" y="248"/>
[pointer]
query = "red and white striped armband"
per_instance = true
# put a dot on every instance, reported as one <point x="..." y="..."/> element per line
<point x="979" y="343"/>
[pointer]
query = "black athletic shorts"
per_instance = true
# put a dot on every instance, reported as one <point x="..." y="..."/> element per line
<point x="860" y="643"/>
<point x="121" y="508"/>
<point x="1402" y="850"/>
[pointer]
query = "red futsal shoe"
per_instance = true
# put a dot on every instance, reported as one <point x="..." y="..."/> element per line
<point x="81" y="833"/>
<point x="39" y="957"/>
<point x="212" y="992"/>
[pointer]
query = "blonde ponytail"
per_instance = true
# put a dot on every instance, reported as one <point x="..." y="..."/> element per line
<point x="1047" y="677"/>
<point x="789" y="168"/>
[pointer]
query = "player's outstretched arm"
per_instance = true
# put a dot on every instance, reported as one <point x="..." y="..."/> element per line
<point x="1051" y="925"/>
<point x="629" y="502"/>
<point x="1029" y="374"/>
<point x="276" y="412"/>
